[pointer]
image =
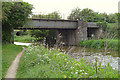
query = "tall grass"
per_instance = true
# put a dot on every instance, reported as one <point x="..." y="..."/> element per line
<point x="40" y="62"/>
<point x="9" y="52"/>
<point x="25" y="38"/>
<point x="100" y="44"/>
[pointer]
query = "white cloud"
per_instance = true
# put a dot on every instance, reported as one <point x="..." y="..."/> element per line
<point x="65" y="6"/>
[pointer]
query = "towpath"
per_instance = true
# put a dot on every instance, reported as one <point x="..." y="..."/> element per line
<point x="12" y="70"/>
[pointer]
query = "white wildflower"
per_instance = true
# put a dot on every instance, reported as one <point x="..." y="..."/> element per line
<point x="90" y="77"/>
<point x="76" y="72"/>
<point x="81" y="70"/>
<point x="71" y="67"/>
<point x="86" y="73"/>
<point x="82" y="73"/>
<point x="42" y="60"/>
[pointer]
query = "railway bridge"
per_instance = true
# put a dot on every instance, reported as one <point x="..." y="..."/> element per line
<point x="72" y="31"/>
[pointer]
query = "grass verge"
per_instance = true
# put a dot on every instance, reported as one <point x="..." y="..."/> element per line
<point x="40" y="62"/>
<point x="112" y="44"/>
<point x="0" y="61"/>
<point x="25" y="38"/>
<point x="9" y="52"/>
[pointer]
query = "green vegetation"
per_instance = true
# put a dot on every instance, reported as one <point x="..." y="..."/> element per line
<point x="40" y="62"/>
<point x="53" y="15"/>
<point x="25" y="38"/>
<point x="90" y="15"/>
<point x="110" y="30"/>
<point x="0" y="61"/>
<point x="9" y="52"/>
<point x="14" y="14"/>
<point x="112" y="44"/>
<point x="109" y="23"/>
<point x="113" y="29"/>
<point x="46" y="36"/>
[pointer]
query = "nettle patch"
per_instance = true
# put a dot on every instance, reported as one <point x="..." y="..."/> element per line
<point x="40" y="62"/>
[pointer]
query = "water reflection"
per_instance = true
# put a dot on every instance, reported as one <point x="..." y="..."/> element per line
<point x="89" y="55"/>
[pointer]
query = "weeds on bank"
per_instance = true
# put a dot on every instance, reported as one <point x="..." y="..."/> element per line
<point x="101" y="44"/>
<point x="40" y="62"/>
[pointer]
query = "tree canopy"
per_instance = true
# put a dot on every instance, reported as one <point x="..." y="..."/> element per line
<point x="108" y="21"/>
<point x="89" y="15"/>
<point x="14" y="15"/>
<point x="53" y="15"/>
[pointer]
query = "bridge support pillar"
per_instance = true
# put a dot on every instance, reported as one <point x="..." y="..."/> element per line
<point x="72" y="37"/>
<point x="81" y="32"/>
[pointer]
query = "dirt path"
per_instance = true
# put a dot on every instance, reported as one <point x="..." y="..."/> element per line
<point x="12" y="70"/>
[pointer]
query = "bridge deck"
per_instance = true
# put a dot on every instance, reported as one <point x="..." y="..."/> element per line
<point x="54" y="20"/>
<point x="54" y="24"/>
<point x="51" y="24"/>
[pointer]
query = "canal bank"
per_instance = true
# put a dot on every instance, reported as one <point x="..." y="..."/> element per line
<point x="88" y="54"/>
<point x="42" y="62"/>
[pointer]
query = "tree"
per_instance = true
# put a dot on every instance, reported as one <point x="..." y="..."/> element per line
<point x="86" y="14"/>
<point x="107" y="21"/>
<point x="15" y="14"/>
<point x="75" y="14"/>
<point x="53" y="15"/>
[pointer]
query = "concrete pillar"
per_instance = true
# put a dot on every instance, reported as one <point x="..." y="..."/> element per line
<point x="81" y="32"/>
<point x="72" y="37"/>
<point x="13" y="37"/>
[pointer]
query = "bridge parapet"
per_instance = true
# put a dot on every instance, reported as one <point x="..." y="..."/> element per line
<point x="51" y="24"/>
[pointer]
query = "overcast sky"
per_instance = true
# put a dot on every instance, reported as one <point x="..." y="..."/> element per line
<point x="65" y="6"/>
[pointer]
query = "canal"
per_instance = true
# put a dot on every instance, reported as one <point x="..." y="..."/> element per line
<point x="89" y="55"/>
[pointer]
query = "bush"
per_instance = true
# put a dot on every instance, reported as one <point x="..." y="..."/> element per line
<point x="40" y="35"/>
<point x="25" y="38"/>
<point x="24" y="32"/>
<point x="103" y="24"/>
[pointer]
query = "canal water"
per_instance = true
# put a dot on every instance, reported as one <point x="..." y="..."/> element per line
<point x="88" y="55"/>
